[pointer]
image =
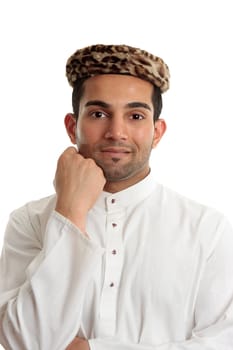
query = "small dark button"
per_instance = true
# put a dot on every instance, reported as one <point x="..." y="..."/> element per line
<point x="113" y="201"/>
<point x="114" y="225"/>
<point x="111" y="284"/>
<point x="114" y="252"/>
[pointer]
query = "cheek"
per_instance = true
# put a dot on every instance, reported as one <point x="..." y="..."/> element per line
<point x="144" y="136"/>
<point x="86" y="135"/>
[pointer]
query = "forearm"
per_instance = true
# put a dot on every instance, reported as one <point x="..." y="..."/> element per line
<point x="218" y="337"/>
<point x="45" y="312"/>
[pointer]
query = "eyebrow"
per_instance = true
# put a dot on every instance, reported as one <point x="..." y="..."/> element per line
<point x="128" y="105"/>
<point x="97" y="103"/>
<point x="138" y="105"/>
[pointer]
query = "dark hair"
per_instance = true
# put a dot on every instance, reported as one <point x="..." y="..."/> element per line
<point x="79" y="90"/>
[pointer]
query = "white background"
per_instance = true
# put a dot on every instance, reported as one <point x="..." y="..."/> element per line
<point x="193" y="37"/>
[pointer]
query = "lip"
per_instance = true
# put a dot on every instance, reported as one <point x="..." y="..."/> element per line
<point x="112" y="152"/>
<point x="115" y="150"/>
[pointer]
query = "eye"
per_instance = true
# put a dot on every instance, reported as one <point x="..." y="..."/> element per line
<point x="137" y="116"/>
<point x="98" y="115"/>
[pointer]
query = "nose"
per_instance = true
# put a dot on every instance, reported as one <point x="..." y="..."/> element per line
<point x="117" y="129"/>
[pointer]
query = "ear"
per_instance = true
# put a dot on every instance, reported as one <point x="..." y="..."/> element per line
<point x="70" y="124"/>
<point x="160" y="128"/>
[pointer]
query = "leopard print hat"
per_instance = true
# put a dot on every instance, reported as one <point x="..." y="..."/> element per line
<point x="117" y="59"/>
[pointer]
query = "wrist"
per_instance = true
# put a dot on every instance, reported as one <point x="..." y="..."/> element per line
<point x="76" y="218"/>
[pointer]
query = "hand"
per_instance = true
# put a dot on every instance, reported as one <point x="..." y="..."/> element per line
<point x="78" y="183"/>
<point x="78" y="344"/>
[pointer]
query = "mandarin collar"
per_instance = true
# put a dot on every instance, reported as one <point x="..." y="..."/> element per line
<point x="127" y="197"/>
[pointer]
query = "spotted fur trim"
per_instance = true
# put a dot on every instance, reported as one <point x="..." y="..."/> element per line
<point x="117" y="59"/>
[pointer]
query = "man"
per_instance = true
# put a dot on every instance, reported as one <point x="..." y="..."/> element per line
<point x="115" y="260"/>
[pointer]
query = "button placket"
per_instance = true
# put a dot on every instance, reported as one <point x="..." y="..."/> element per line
<point x="113" y="262"/>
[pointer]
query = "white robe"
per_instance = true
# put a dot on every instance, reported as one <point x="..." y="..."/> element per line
<point x="156" y="273"/>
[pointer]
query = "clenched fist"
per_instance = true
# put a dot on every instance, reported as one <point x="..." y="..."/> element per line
<point x="78" y="183"/>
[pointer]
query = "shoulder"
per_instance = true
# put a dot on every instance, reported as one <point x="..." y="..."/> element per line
<point x="34" y="208"/>
<point x="192" y="218"/>
<point x="173" y="200"/>
<point x="32" y="217"/>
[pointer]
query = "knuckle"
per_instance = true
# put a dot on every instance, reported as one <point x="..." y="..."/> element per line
<point x="90" y="162"/>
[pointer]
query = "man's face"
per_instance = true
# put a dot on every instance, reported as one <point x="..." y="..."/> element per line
<point x="115" y="126"/>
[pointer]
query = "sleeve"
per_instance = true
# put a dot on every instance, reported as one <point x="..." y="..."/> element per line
<point x="42" y="289"/>
<point x="213" y="310"/>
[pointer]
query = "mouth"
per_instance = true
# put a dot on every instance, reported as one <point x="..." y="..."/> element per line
<point x="115" y="152"/>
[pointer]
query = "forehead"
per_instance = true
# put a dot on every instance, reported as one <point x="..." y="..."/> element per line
<point x="116" y="86"/>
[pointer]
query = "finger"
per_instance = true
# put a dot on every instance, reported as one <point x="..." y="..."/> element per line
<point x="71" y="150"/>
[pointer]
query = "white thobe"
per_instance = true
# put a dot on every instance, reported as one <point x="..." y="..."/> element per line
<point x="156" y="273"/>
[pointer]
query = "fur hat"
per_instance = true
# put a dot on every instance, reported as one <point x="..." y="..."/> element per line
<point x="117" y="59"/>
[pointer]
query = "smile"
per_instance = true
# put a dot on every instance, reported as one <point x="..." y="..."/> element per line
<point x="115" y="152"/>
